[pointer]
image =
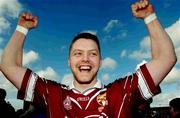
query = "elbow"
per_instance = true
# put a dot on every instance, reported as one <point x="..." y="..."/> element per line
<point x="3" y="66"/>
<point x="6" y="64"/>
<point x="173" y="60"/>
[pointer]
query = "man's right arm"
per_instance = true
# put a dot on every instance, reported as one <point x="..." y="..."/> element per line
<point x="11" y="62"/>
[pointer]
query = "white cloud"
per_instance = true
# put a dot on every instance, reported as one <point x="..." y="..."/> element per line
<point x="172" y="77"/>
<point x="174" y="33"/>
<point x="145" y="43"/>
<point x="4" y="24"/>
<point x="4" y="83"/>
<point x="16" y="103"/>
<point x="144" y="51"/>
<point x="94" y="32"/>
<point x="10" y="8"/>
<point x="67" y="79"/>
<point x="108" y="63"/>
<point x="110" y="25"/>
<point x="139" y="55"/>
<point x="49" y="73"/>
<point x="123" y="53"/>
<point x="164" y="98"/>
<point x="11" y="92"/>
<point x="105" y="77"/>
<point x="115" y="30"/>
<point x="30" y="57"/>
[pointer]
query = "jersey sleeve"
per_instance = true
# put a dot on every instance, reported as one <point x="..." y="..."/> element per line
<point x="145" y="88"/>
<point x="138" y="86"/>
<point x="33" y="89"/>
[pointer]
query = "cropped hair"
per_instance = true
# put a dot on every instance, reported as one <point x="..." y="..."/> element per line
<point x="85" y="35"/>
<point x="175" y="103"/>
<point x="2" y="94"/>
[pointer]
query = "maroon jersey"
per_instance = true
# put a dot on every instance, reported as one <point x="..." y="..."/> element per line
<point x="114" y="100"/>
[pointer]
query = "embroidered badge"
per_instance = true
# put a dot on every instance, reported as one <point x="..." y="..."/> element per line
<point x="102" y="101"/>
<point x="67" y="103"/>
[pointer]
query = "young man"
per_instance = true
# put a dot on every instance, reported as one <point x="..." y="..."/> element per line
<point x="6" y="109"/>
<point x="86" y="97"/>
<point x="175" y="108"/>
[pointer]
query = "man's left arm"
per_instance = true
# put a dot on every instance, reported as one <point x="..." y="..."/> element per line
<point x="162" y="49"/>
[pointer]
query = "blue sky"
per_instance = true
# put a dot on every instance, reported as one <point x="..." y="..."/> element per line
<point x="124" y="39"/>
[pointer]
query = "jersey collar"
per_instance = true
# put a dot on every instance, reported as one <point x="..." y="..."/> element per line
<point x="97" y="85"/>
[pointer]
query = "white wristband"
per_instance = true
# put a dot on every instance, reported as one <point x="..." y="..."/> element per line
<point x="150" y="18"/>
<point x="22" y="29"/>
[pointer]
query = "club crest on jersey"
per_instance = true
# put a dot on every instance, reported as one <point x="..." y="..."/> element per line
<point x="102" y="101"/>
<point x="67" y="103"/>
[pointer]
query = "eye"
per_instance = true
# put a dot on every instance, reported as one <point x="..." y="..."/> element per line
<point x="93" y="53"/>
<point x="77" y="53"/>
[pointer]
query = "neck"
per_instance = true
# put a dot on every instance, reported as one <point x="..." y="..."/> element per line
<point x="82" y="87"/>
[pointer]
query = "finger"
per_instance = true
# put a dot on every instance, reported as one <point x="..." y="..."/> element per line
<point x="35" y="19"/>
<point x="23" y="14"/>
<point x="28" y="16"/>
<point x="143" y="4"/>
<point x="146" y="2"/>
<point x="139" y="6"/>
<point x="134" y="7"/>
<point x="150" y="8"/>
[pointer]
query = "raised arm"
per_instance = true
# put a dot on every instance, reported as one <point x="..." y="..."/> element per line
<point x="11" y="63"/>
<point x="163" y="53"/>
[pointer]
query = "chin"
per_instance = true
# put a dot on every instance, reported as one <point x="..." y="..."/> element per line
<point x="85" y="81"/>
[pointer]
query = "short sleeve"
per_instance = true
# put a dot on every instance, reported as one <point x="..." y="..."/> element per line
<point x="146" y="86"/>
<point x="33" y="88"/>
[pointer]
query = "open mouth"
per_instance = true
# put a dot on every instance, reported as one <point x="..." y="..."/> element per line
<point x="85" y="68"/>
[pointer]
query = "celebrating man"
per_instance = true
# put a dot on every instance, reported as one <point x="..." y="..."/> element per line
<point x="86" y="97"/>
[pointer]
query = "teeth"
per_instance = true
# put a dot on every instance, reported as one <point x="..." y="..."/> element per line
<point x="85" y="67"/>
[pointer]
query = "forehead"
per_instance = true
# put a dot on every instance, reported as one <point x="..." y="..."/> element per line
<point x="84" y="44"/>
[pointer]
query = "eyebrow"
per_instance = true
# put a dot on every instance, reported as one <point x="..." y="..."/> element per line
<point x="82" y="50"/>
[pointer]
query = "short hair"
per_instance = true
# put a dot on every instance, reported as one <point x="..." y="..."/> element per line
<point x="85" y="35"/>
<point x="175" y="103"/>
<point x="2" y="94"/>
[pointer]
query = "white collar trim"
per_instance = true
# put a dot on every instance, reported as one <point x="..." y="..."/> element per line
<point x="97" y="85"/>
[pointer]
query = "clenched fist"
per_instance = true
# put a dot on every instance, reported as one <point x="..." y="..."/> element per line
<point x="142" y="9"/>
<point x="28" y="21"/>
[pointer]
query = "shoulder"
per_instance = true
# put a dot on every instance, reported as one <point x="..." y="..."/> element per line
<point x="55" y="85"/>
<point x="117" y="83"/>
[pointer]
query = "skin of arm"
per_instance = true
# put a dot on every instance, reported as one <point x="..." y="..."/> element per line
<point x="162" y="49"/>
<point x="11" y="62"/>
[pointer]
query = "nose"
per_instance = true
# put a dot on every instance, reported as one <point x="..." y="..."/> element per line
<point x="85" y="57"/>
